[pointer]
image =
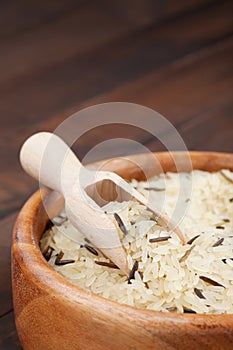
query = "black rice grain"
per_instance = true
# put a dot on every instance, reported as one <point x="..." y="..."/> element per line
<point x="225" y="260"/>
<point x="48" y="253"/>
<point x="171" y="309"/>
<point x="59" y="261"/>
<point x="120" y="223"/>
<point x="91" y="249"/>
<point x="145" y="283"/>
<point x="157" y="189"/>
<point x="219" y="242"/>
<point x="132" y="272"/>
<point x="65" y="262"/>
<point x="187" y="253"/>
<point x="193" y="239"/>
<point x="159" y="239"/>
<point x="188" y="311"/>
<point x="49" y="225"/>
<point x="107" y="264"/>
<point x="199" y="293"/>
<point x="210" y="281"/>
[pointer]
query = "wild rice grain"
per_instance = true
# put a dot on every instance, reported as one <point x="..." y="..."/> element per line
<point x="106" y="264"/>
<point x="186" y="255"/>
<point x="49" y="225"/>
<point x="193" y="239"/>
<point x="48" y="253"/>
<point x="59" y="257"/>
<point x="59" y="261"/>
<point x="132" y="272"/>
<point x="145" y="283"/>
<point x="226" y="220"/>
<point x="65" y="262"/>
<point x="219" y="242"/>
<point x="171" y="309"/>
<point x="159" y="239"/>
<point x="156" y="189"/>
<point x="120" y="223"/>
<point x="225" y="260"/>
<point x="91" y="249"/>
<point x="210" y="281"/>
<point x="199" y="293"/>
<point x="188" y="311"/>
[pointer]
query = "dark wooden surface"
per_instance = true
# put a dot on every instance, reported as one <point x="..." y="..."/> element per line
<point x="59" y="56"/>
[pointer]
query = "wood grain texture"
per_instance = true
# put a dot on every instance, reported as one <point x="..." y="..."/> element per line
<point x="217" y="123"/>
<point x="82" y="28"/>
<point x="8" y="335"/>
<point x="108" y="66"/>
<point x="196" y="87"/>
<point x="60" y="56"/>
<point x="5" y="263"/>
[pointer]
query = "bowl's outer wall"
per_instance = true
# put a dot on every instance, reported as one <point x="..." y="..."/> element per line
<point x="52" y="313"/>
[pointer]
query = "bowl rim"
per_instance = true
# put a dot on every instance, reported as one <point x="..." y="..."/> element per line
<point x="31" y="261"/>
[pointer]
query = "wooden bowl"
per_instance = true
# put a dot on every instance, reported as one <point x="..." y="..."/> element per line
<point x="52" y="313"/>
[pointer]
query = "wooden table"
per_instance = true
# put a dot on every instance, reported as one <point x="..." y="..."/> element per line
<point x="58" y="57"/>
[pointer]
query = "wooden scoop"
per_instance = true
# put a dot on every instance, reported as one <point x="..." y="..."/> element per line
<point x="47" y="158"/>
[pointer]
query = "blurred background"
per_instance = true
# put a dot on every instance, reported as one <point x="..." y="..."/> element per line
<point x="57" y="57"/>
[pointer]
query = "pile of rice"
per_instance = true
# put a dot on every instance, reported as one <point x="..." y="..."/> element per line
<point x="167" y="276"/>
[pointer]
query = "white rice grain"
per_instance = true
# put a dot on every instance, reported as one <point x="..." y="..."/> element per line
<point x="168" y="273"/>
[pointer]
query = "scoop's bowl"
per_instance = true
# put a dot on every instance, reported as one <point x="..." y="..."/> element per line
<point x="51" y="313"/>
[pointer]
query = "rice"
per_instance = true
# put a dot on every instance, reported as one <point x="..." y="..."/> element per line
<point x="196" y="277"/>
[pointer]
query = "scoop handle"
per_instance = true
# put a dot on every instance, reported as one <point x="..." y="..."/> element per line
<point x="48" y="159"/>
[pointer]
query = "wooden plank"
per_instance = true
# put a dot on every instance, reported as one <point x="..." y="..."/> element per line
<point x="29" y="109"/>
<point x="209" y="131"/>
<point x="178" y="7"/>
<point x="98" y="70"/>
<point x="15" y="188"/>
<point x="77" y="31"/>
<point x="188" y="86"/>
<point x="17" y="17"/>
<point x="198" y="77"/>
<point x="5" y="263"/>
<point x="20" y="16"/>
<point x="8" y="335"/>
<point x="180" y="92"/>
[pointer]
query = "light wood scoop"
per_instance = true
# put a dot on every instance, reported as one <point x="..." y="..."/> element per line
<point x="47" y="158"/>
